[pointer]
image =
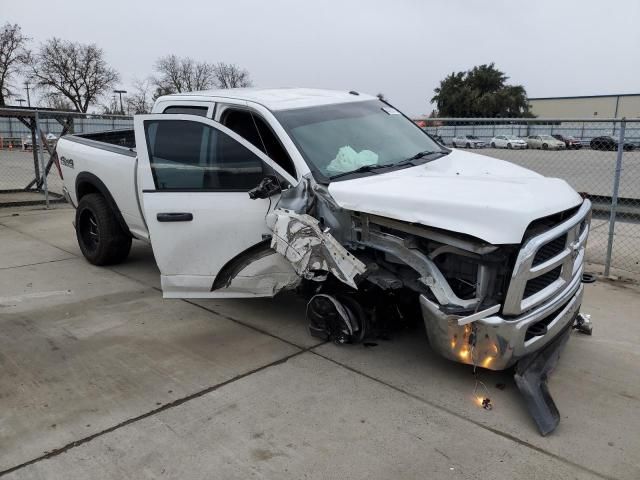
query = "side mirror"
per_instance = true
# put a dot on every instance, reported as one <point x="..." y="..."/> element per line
<point x="267" y="187"/>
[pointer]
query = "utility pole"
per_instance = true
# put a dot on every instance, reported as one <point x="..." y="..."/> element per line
<point x="26" y="84"/>
<point x="120" y="92"/>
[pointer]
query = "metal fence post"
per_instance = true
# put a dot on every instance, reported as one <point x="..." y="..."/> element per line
<point x="614" y="197"/>
<point x="42" y="166"/>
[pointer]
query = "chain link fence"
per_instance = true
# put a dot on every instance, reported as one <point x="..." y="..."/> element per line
<point x="28" y="137"/>
<point x="598" y="158"/>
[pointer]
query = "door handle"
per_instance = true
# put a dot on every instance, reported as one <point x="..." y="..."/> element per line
<point x="175" y="217"/>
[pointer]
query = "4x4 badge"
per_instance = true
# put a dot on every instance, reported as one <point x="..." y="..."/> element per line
<point x="67" y="162"/>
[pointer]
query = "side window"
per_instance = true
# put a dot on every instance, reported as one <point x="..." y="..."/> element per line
<point x="255" y="130"/>
<point x="194" y="110"/>
<point x="187" y="155"/>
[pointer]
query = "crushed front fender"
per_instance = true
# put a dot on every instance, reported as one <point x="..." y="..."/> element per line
<point x="312" y="252"/>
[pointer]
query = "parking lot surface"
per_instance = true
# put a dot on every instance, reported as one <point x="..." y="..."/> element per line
<point x="102" y="378"/>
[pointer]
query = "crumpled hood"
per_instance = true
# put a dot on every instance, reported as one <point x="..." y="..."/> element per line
<point x="462" y="192"/>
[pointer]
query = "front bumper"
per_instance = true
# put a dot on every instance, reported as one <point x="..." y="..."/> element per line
<point x="501" y="342"/>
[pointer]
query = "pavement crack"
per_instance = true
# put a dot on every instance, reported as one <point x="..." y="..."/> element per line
<point x="39" y="263"/>
<point x="467" y="419"/>
<point x="247" y="325"/>
<point x="220" y="314"/>
<point x="162" y="408"/>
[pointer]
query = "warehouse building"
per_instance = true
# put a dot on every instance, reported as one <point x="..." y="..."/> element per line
<point x="602" y="106"/>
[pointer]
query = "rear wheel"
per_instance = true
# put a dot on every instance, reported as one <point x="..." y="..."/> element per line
<point x="453" y="144"/>
<point x="545" y="146"/>
<point x="509" y="146"/>
<point x="468" y="145"/>
<point x="100" y="237"/>
<point x="493" y="144"/>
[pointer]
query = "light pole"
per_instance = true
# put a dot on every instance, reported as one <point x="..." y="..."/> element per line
<point x="26" y="84"/>
<point x="120" y="92"/>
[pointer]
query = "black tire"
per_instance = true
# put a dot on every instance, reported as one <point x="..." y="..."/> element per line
<point x="100" y="237"/>
<point x="468" y="145"/>
<point x="545" y="146"/>
<point x="509" y="146"/>
<point x="453" y="144"/>
<point x="493" y="144"/>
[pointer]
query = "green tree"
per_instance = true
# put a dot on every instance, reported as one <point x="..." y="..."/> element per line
<point x="480" y="92"/>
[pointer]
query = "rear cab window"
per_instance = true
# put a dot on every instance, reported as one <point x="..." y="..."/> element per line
<point x="253" y="128"/>
<point x="187" y="110"/>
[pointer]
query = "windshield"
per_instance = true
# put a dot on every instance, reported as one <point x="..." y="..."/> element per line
<point x="547" y="137"/>
<point x="335" y="139"/>
<point x="512" y="137"/>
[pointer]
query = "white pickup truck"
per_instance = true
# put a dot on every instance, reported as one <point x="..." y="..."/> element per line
<point x="249" y="192"/>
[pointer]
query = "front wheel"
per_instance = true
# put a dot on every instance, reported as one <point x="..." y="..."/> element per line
<point x="468" y="145"/>
<point x="509" y="146"/>
<point x="493" y="144"/>
<point x="100" y="237"/>
<point x="453" y="144"/>
<point x="545" y="146"/>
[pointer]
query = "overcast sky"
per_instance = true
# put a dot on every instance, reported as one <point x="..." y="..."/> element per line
<point x="402" y="48"/>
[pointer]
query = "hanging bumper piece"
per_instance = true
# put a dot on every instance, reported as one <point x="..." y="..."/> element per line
<point x="531" y="377"/>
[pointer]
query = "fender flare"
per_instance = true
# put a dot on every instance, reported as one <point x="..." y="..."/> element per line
<point x="87" y="178"/>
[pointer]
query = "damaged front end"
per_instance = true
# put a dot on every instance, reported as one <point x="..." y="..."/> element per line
<point x="490" y="306"/>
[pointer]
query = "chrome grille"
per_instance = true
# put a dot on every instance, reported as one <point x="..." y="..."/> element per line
<point x="547" y="262"/>
<point x="550" y="250"/>
<point x="538" y="283"/>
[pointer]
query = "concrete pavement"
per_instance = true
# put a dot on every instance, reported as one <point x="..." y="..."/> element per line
<point x="102" y="378"/>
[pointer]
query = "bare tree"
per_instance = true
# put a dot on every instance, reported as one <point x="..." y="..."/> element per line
<point x="111" y="107"/>
<point x="140" y="99"/>
<point x="13" y="55"/>
<point x="176" y="75"/>
<point x="57" y="101"/>
<point x="77" y="71"/>
<point x="183" y="74"/>
<point x="229" y="75"/>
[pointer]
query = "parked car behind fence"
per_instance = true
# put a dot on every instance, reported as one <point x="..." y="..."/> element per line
<point x="508" y="141"/>
<point x="545" y="142"/>
<point x="607" y="142"/>
<point x="572" y="143"/>
<point x="467" y="141"/>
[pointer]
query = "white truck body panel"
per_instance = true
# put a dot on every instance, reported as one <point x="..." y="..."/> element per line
<point x="224" y="224"/>
<point x="273" y="99"/>
<point x="463" y="192"/>
<point x="116" y="170"/>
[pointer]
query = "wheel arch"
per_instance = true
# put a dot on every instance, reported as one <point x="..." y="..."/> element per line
<point x="87" y="183"/>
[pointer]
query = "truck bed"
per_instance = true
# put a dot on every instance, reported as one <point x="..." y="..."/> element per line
<point x="123" y="138"/>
